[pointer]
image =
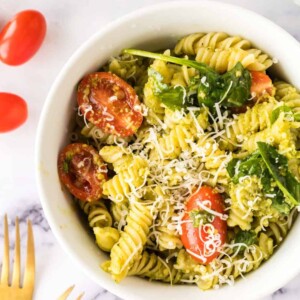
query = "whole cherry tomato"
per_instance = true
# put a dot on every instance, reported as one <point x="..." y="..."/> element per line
<point x="110" y="103"/>
<point x="203" y="228"/>
<point x="82" y="171"/>
<point x="13" y="112"/>
<point x="21" y="37"/>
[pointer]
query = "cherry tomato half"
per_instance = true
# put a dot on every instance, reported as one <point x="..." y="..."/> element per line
<point x="13" y="112"/>
<point x="21" y="37"/>
<point x="82" y="171"/>
<point x="204" y="240"/>
<point x="110" y="103"/>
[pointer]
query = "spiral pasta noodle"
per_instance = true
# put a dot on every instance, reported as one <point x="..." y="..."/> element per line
<point x="126" y="181"/>
<point x="156" y="110"/>
<point x="98" y="214"/>
<point x="288" y="94"/>
<point x="153" y="267"/>
<point x="227" y="269"/>
<point x="100" y="220"/>
<point x="253" y="120"/>
<point x="222" y="52"/>
<point x="213" y="40"/>
<point x="214" y="158"/>
<point x="279" y="134"/>
<point x="132" y="240"/>
<point x="277" y="230"/>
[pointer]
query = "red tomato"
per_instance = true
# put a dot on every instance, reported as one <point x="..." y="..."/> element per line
<point x="203" y="242"/>
<point x="13" y="111"/>
<point x="21" y="37"/>
<point x="82" y="171"/>
<point x="110" y="103"/>
<point x="261" y="83"/>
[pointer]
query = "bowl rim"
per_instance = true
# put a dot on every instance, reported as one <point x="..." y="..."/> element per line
<point x="42" y="124"/>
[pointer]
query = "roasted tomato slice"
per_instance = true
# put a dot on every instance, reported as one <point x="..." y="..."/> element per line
<point x="204" y="227"/>
<point x="110" y="103"/>
<point x="82" y="171"/>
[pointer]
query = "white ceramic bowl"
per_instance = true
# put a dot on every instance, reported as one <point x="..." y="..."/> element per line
<point x="153" y="28"/>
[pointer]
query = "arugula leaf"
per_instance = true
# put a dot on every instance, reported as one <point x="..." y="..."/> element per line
<point x="251" y="165"/>
<point x="276" y="112"/>
<point x="231" y="89"/>
<point x="245" y="237"/>
<point x="203" y="68"/>
<point x="277" y="165"/>
<point x="274" y="187"/>
<point x="238" y="84"/>
<point x="278" y="202"/>
<point x="172" y="97"/>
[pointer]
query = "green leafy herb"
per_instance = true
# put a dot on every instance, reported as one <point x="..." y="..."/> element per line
<point x="272" y="168"/>
<point x="172" y="97"/>
<point x="201" y="67"/>
<point x="231" y="89"/>
<point x="251" y="165"/>
<point x="245" y="237"/>
<point x="200" y="217"/>
<point x="276" y="112"/>
<point x="277" y="165"/>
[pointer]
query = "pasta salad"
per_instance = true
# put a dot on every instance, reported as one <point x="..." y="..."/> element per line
<point x="186" y="161"/>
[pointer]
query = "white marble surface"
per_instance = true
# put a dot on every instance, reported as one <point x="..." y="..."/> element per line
<point x="70" y="23"/>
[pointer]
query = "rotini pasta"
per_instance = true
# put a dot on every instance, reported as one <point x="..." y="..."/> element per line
<point x="222" y="52"/>
<point x="132" y="240"/>
<point x="288" y="94"/>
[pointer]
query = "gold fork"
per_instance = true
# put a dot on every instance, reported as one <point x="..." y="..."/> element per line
<point x="15" y="290"/>
<point x="66" y="294"/>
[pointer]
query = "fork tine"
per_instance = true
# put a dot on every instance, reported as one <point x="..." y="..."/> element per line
<point x="30" y="260"/>
<point x="5" y="264"/>
<point x="80" y="296"/>
<point x="16" y="270"/>
<point x="66" y="294"/>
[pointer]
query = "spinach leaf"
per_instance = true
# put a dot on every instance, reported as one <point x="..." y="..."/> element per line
<point x="231" y="89"/>
<point x="278" y="183"/>
<point x="245" y="237"/>
<point x="172" y="97"/>
<point x="201" y="67"/>
<point x="251" y="165"/>
<point x="276" y="112"/>
<point x="277" y="165"/>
